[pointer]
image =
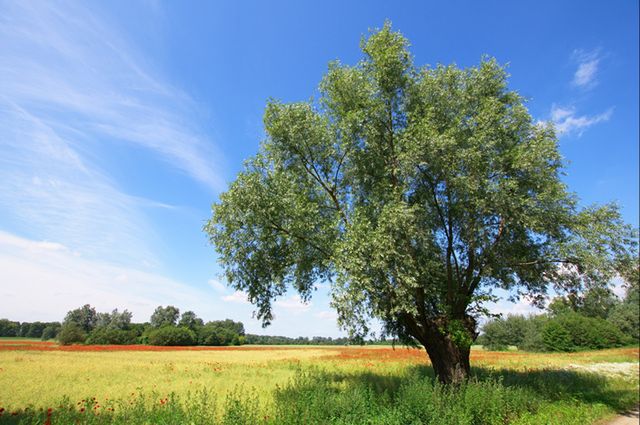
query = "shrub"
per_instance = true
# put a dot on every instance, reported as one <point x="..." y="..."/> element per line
<point x="556" y="337"/>
<point x="532" y="340"/>
<point x="50" y="332"/>
<point x="214" y="334"/>
<point x="626" y="317"/>
<point x="171" y="335"/>
<point x="499" y="334"/>
<point x="71" y="333"/>
<point x="112" y="336"/>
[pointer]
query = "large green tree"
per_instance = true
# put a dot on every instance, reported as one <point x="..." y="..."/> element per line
<point x="415" y="191"/>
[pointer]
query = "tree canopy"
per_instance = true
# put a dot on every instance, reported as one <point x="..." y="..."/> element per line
<point x="415" y="191"/>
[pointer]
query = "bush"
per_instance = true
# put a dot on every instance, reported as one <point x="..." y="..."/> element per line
<point x="9" y="328"/>
<point x="499" y="334"/>
<point x="71" y="333"/>
<point x="572" y="331"/>
<point x="112" y="336"/>
<point x="171" y="335"/>
<point x="626" y="317"/>
<point x="50" y="332"/>
<point x="532" y="340"/>
<point x="214" y="334"/>
<point x="556" y="337"/>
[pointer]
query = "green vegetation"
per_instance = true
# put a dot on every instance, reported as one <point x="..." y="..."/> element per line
<point x="85" y="325"/>
<point x="594" y="320"/>
<point x="417" y="190"/>
<point x="410" y="395"/>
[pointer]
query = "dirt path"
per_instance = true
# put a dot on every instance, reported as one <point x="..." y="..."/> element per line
<point x="631" y="418"/>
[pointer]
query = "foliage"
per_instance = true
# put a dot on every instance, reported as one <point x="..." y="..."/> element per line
<point x="556" y="337"/>
<point x="84" y="317"/>
<point x="566" y="331"/>
<point x="113" y="336"/>
<point x="301" y="340"/>
<point x="114" y="320"/>
<point x="71" y="333"/>
<point x="9" y="328"/>
<point x="626" y="317"/>
<point x="190" y="320"/>
<point x="171" y="335"/>
<point x="164" y="316"/>
<point x="595" y="302"/>
<point x="415" y="191"/>
<point x="222" y="332"/>
<point x="501" y="333"/>
<point x="532" y="340"/>
<point x="573" y="331"/>
<point x="51" y="331"/>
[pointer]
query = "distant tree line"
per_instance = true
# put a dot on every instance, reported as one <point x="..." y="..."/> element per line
<point x="166" y="327"/>
<point x="301" y="340"/>
<point x="597" y="319"/>
<point x="45" y="330"/>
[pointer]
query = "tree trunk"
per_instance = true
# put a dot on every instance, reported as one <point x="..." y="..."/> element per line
<point x="450" y="362"/>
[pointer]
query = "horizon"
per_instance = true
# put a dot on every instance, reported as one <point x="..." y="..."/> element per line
<point x="122" y="124"/>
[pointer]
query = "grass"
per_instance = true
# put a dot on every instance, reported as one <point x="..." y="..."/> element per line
<point x="322" y="385"/>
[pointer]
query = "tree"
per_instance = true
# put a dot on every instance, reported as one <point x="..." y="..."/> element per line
<point x="414" y="191"/>
<point x="9" y="328"/>
<point x="164" y="316"/>
<point x="51" y="331"/>
<point x="626" y="315"/>
<point x="597" y="301"/>
<point x="115" y="320"/>
<point x="71" y="333"/>
<point x="172" y="336"/>
<point x="190" y="320"/>
<point x="84" y="317"/>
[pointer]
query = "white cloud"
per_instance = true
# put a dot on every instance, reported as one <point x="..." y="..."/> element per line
<point x="293" y="304"/>
<point x="237" y="297"/>
<point x="588" y="62"/>
<point x="44" y="280"/>
<point x="566" y="121"/>
<point x="216" y="285"/>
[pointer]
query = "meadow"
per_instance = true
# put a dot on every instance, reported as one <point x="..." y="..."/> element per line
<point x="43" y="383"/>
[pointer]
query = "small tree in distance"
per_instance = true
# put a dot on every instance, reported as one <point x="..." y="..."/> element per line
<point x="415" y="191"/>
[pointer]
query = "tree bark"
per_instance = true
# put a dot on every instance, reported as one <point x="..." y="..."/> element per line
<point x="450" y="362"/>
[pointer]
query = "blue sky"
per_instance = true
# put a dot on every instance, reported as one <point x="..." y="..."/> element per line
<point x="121" y="122"/>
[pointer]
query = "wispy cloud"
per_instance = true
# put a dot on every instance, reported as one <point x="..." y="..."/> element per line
<point x="72" y="87"/>
<point x="588" y="62"/>
<point x="566" y="121"/>
<point x="66" y="63"/>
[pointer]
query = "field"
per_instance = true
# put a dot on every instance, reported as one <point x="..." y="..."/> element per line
<point x="45" y="383"/>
